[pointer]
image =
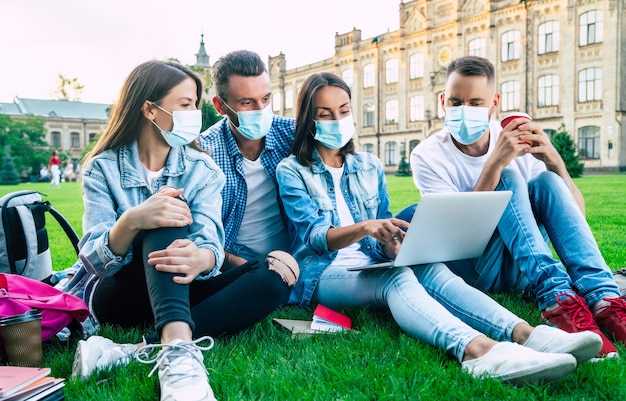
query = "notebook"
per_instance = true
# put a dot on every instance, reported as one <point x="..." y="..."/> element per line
<point x="448" y="226"/>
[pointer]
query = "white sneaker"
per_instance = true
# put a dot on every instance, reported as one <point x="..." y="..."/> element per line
<point x="182" y="374"/>
<point x="513" y="363"/>
<point x="583" y="345"/>
<point x="98" y="353"/>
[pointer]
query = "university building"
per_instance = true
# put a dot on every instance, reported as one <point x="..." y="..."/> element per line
<point x="561" y="61"/>
<point x="70" y="126"/>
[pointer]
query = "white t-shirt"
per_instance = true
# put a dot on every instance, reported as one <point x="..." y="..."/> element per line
<point x="439" y="166"/>
<point x="350" y="255"/>
<point x="262" y="228"/>
<point x="151" y="176"/>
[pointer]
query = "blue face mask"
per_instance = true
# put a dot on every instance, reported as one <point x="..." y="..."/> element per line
<point x="334" y="134"/>
<point x="186" y="127"/>
<point x="467" y="124"/>
<point x="254" y="124"/>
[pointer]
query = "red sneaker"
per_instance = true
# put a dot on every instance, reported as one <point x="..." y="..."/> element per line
<point x="573" y="315"/>
<point x="612" y="318"/>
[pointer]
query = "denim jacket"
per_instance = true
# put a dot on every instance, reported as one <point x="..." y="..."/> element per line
<point x="308" y="195"/>
<point x="113" y="183"/>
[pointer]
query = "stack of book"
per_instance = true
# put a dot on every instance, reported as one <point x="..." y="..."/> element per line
<point x="29" y="384"/>
<point x="325" y="320"/>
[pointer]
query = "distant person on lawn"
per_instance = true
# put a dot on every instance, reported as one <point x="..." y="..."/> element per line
<point x="575" y="293"/>
<point x="337" y="205"/>
<point x="153" y="238"/>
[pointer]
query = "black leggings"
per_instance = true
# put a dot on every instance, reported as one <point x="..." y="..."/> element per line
<point x="224" y="304"/>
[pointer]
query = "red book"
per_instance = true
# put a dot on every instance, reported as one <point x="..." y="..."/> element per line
<point x="15" y="378"/>
<point x="325" y="319"/>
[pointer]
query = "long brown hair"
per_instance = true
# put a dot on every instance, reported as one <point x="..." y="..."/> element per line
<point x="303" y="142"/>
<point x="151" y="81"/>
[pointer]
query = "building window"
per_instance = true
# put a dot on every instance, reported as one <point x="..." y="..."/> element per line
<point x="590" y="84"/>
<point x="391" y="154"/>
<point x="591" y="27"/>
<point x="368" y="115"/>
<point x="348" y="76"/>
<point x="92" y="137"/>
<point x="56" y="139"/>
<point x="510" y="95"/>
<point x="277" y="101"/>
<point x="412" y="144"/>
<point x="510" y="45"/>
<point x="549" y="37"/>
<point x="391" y="111"/>
<point x="391" y="71"/>
<point x="289" y="99"/>
<point x="589" y="142"/>
<point x="477" y="47"/>
<point x="369" y="76"/>
<point x="74" y="140"/>
<point x="369" y="148"/>
<point x="548" y="93"/>
<point x="416" y="108"/>
<point x="416" y="66"/>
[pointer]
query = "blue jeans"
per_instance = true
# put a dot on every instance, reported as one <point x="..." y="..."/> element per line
<point x="428" y="302"/>
<point x="518" y="254"/>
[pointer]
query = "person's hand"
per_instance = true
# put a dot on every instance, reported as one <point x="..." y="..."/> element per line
<point x="542" y="147"/>
<point x="511" y="143"/>
<point x="163" y="209"/>
<point x="387" y="232"/>
<point x="182" y="257"/>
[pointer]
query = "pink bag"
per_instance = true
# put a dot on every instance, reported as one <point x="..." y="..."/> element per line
<point x="19" y="294"/>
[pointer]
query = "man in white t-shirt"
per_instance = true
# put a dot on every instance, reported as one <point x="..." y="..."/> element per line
<point x="473" y="154"/>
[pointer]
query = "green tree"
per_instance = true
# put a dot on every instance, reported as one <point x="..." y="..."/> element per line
<point x="8" y="174"/>
<point x="209" y="115"/>
<point x="25" y="139"/>
<point x="564" y="144"/>
<point x="68" y="88"/>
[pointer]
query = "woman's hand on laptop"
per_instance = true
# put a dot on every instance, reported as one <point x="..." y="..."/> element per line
<point x="388" y="232"/>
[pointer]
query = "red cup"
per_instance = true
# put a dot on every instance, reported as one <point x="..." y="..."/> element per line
<point x="512" y="116"/>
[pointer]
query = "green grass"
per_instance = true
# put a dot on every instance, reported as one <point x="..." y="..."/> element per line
<point x="378" y="363"/>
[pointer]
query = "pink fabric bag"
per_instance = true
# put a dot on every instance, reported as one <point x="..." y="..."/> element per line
<point x="19" y="294"/>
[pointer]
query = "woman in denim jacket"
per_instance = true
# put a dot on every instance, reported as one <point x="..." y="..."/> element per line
<point x="338" y="209"/>
<point x="153" y="237"/>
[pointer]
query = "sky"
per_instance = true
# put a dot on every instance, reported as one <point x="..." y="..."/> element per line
<point x="100" y="41"/>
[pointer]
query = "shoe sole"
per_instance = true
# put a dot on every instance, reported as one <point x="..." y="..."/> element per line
<point x="77" y="366"/>
<point x="545" y="374"/>
<point x="583" y="351"/>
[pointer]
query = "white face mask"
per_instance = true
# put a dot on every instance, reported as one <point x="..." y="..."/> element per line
<point x="253" y="124"/>
<point x="334" y="134"/>
<point x="467" y="124"/>
<point x="186" y="127"/>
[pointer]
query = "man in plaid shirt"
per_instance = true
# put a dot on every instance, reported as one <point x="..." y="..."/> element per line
<point x="248" y="145"/>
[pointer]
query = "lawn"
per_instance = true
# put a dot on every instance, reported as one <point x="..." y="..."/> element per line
<point x="379" y="362"/>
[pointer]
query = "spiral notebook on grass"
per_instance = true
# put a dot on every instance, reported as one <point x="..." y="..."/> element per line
<point x="448" y="226"/>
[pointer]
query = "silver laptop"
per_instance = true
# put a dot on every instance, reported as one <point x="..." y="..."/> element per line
<point x="448" y="226"/>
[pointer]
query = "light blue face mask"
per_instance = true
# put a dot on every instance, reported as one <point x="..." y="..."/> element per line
<point x="254" y="124"/>
<point x="186" y="127"/>
<point x="334" y="134"/>
<point x="467" y="124"/>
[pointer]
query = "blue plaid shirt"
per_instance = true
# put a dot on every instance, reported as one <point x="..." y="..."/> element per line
<point x="219" y="140"/>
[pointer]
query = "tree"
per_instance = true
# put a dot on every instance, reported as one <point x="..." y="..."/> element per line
<point x="209" y="115"/>
<point x="68" y="88"/>
<point x="8" y="174"/>
<point x="25" y="139"/>
<point x="564" y="144"/>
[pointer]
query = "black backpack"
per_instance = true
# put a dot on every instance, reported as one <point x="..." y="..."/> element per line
<point x="24" y="246"/>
